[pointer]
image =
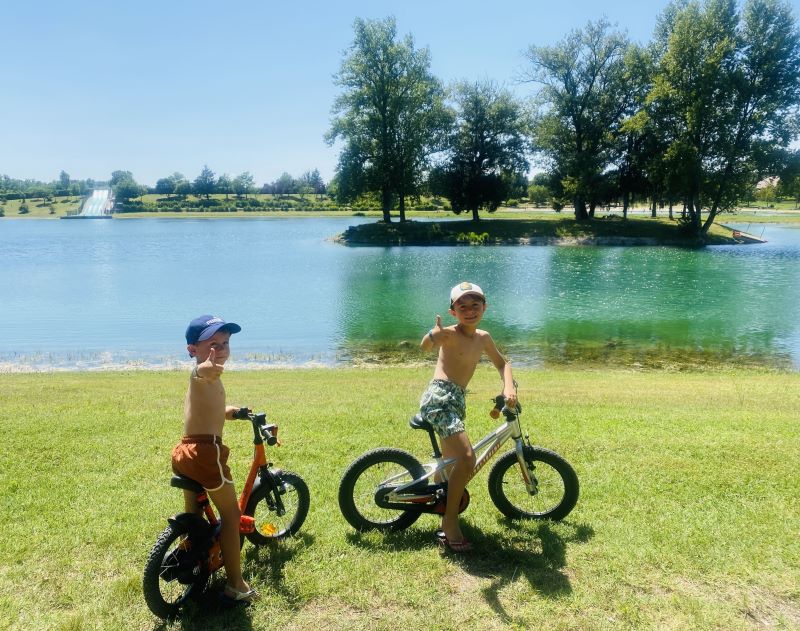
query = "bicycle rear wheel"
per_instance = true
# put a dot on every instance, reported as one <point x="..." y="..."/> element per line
<point x="174" y="572"/>
<point x="555" y="479"/>
<point x="374" y="472"/>
<point x="291" y="495"/>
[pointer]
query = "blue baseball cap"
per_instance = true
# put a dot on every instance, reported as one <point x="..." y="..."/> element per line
<point x="204" y="326"/>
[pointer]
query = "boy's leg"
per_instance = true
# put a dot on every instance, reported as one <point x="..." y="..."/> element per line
<point x="456" y="446"/>
<point x="225" y="500"/>
<point x="190" y="502"/>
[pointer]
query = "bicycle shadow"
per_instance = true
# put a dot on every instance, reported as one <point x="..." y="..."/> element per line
<point x="533" y="551"/>
<point x="536" y="553"/>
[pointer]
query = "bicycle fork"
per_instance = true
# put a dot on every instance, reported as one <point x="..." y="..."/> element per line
<point x="526" y="468"/>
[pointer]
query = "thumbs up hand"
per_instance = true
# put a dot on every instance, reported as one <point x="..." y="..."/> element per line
<point x="209" y="369"/>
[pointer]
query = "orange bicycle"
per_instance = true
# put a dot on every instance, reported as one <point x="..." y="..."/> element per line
<point x="273" y="503"/>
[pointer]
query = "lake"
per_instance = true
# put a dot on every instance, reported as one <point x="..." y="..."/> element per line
<point x="87" y="294"/>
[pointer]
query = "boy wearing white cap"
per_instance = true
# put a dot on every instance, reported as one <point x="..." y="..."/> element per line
<point x="443" y="404"/>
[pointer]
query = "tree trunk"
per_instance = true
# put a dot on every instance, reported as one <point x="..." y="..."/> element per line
<point x="626" y="198"/>
<point x="475" y="216"/>
<point x="580" y="209"/>
<point x="386" y="205"/>
<point x="670" y="210"/>
<point x="402" y="208"/>
<point x="592" y="206"/>
<point x="653" y="213"/>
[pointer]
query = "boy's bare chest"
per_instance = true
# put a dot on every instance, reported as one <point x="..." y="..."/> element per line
<point x="465" y="349"/>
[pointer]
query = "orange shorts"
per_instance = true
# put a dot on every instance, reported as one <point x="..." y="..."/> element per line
<point x="204" y="459"/>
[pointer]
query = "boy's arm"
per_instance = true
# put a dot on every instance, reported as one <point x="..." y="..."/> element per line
<point x="434" y="337"/>
<point x="504" y="368"/>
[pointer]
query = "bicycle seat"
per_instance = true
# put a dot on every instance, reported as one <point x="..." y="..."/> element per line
<point x="417" y="422"/>
<point x="182" y="482"/>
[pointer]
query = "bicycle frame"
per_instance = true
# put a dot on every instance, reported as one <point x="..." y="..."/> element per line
<point x="259" y="465"/>
<point x="487" y="447"/>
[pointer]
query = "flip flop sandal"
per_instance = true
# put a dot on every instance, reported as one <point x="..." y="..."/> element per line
<point x="237" y="596"/>
<point x="458" y="547"/>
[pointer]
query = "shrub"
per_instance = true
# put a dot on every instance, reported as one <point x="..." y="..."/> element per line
<point x="473" y="238"/>
<point x="23" y="209"/>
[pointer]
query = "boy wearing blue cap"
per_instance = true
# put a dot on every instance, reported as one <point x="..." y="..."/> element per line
<point x="200" y="455"/>
<point x="443" y="404"/>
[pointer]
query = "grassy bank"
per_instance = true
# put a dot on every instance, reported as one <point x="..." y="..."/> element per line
<point x="688" y="516"/>
<point x="542" y="230"/>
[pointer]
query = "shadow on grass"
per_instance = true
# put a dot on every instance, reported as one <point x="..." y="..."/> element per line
<point x="211" y="611"/>
<point x="535" y="551"/>
<point x="264" y="572"/>
<point x="266" y="564"/>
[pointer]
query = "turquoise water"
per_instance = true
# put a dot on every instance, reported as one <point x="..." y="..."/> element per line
<point x="102" y="294"/>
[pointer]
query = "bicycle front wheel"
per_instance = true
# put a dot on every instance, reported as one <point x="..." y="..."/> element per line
<point x="174" y="572"/>
<point x="555" y="480"/>
<point x="377" y="471"/>
<point x="279" y="512"/>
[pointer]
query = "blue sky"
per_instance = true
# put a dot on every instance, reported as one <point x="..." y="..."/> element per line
<point x="158" y="87"/>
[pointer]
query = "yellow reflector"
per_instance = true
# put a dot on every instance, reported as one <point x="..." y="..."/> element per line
<point x="268" y="529"/>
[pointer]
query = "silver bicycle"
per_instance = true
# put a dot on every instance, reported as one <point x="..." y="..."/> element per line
<point x="388" y="489"/>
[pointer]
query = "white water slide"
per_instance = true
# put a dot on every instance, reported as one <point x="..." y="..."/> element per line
<point x="97" y="204"/>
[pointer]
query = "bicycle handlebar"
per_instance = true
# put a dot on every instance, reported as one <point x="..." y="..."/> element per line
<point x="267" y="433"/>
<point x="500" y="406"/>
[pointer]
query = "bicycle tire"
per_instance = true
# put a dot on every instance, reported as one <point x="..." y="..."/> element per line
<point x="270" y="526"/>
<point x="557" y="486"/>
<point x="362" y="480"/>
<point x="168" y="581"/>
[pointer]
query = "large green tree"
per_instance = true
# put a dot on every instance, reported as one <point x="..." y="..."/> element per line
<point x="488" y="140"/>
<point x="244" y="184"/>
<point x="725" y="99"/>
<point x="390" y="115"/>
<point x="205" y="183"/>
<point x="583" y="99"/>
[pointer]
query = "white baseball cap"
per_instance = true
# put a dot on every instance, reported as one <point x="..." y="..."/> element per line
<point x="465" y="288"/>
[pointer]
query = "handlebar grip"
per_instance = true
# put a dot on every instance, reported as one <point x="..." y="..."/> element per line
<point x="270" y="434"/>
<point x="242" y="414"/>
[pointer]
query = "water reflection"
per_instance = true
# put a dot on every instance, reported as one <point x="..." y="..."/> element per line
<point x="99" y="294"/>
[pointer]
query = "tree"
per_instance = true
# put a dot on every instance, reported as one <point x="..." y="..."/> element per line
<point x="224" y="185"/>
<point x="127" y="188"/>
<point x="311" y="181"/>
<point x="284" y="185"/>
<point x="725" y="97"/>
<point x="205" y="183"/>
<point x="63" y="180"/>
<point x="583" y="99"/>
<point x="243" y="184"/>
<point x="790" y="177"/>
<point x="390" y="116"/>
<point x="165" y="186"/>
<point x="488" y="142"/>
<point x="119" y="176"/>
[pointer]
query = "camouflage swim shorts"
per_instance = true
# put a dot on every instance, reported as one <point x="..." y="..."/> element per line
<point x="444" y="406"/>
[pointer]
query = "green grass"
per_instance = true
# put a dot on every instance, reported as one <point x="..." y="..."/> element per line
<point x="688" y="516"/>
<point x="38" y="209"/>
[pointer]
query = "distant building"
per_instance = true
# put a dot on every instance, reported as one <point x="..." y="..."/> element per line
<point x="768" y="181"/>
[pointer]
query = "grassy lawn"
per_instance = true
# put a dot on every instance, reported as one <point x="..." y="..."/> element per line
<point x="688" y="516"/>
<point x="38" y="209"/>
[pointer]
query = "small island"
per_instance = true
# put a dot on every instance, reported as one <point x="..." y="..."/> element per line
<point x="547" y="230"/>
